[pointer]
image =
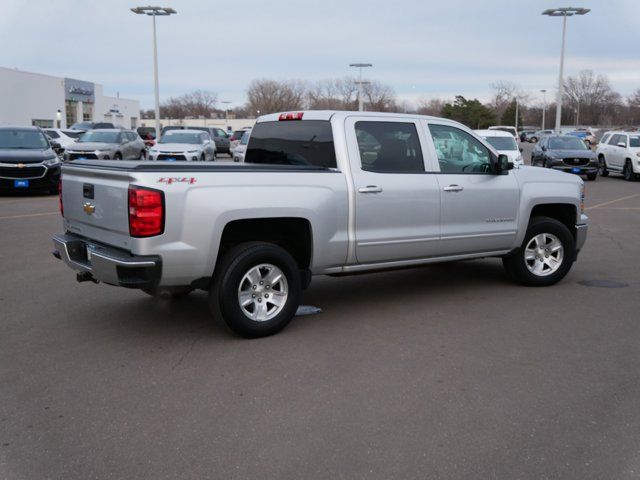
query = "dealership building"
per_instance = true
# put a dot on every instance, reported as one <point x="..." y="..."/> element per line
<point x="28" y="98"/>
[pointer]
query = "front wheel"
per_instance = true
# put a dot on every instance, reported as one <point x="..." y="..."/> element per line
<point x="602" y="166"/>
<point x="627" y="172"/>
<point x="545" y="256"/>
<point x="533" y="140"/>
<point x="257" y="289"/>
<point x="592" y="176"/>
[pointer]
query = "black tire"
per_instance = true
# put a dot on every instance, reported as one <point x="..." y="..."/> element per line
<point x="203" y="158"/>
<point x="533" y="140"/>
<point x="516" y="266"/>
<point x="592" y="176"/>
<point x="602" y="165"/>
<point x="228" y="276"/>
<point x="627" y="172"/>
<point x="117" y="156"/>
<point x="142" y="156"/>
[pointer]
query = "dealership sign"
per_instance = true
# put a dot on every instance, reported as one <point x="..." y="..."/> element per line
<point x="78" y="91"/>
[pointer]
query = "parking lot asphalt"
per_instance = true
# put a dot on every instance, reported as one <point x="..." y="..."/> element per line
<point x="446" y="371"/>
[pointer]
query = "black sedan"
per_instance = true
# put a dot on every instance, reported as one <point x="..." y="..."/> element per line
<point x="566" y="153"/>
<point x="27" y="161"/>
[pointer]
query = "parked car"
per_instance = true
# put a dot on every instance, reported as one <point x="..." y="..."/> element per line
<point x="27" y="161"/>
<point x="586" y="136"/>
<point x="525" y="134"/>
<point x="566" y="153"/>
<point x="235" y="138"/>
<point x="86" y="126"/>
<point x="504" y="143"/>
<point x="219" y="137"/>
<point x="535" y="138"/>
<point x="239" y="151"/>
<point x="63" y="137"/>
<point x="312" y="200"/>
<point x="506" y="128"/>
<point x="107" y="144"/>
<point x="188" y="145"/>
<point x="620" y="152"/>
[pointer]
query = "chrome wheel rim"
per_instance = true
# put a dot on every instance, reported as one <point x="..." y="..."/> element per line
<point x="543" y="254"/>
<point x="263" y="292"/>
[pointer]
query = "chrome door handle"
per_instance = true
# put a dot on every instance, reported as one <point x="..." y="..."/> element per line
<point x="453" y="188"/>
<point x="370" y="189"/>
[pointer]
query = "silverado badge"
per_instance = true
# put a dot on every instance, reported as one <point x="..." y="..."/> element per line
<point x="88" y="208"/>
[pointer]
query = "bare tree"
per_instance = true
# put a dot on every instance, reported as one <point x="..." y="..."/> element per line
<point x="379" y="97"/>
<point x="325" y="95"/>
<point x="591" y="98"/>
<point x="199" y="103"/>
<point x="268" y="96"/>
<point x="504" y="94"/>
<point x="431" y="106"/>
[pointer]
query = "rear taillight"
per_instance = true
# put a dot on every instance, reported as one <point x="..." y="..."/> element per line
<point x="291" y="116"/>
<point x="146" y="212"/>
<point x="60" y="196"/>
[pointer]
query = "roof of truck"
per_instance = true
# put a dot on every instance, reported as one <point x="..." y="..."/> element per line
<point x="328" y="114"/>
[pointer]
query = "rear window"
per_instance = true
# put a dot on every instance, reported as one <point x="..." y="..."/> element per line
<point x="502" y="143"/>
<point x="306" y="142"/>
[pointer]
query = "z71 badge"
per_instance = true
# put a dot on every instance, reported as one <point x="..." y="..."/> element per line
<point x="170" y="180"/>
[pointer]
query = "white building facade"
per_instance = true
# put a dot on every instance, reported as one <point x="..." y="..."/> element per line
<point x="28" y="98"/>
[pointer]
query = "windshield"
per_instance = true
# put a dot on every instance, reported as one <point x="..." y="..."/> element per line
<point x="502" y="143"/>
<point x="100" y="137"/>
<point x="634" y="141"/>
<point x="81" y="126"/>
<point x="566" y="143"/>
<point x="181" y="137"/>
<point x="23" y="139"/>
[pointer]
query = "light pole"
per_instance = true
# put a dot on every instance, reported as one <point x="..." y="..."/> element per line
<point x="544" y="105"/>
<point x="564" y="13"/>
<point x="154" y="12"/>
<point x="360" y="66"/>
<point x="226" y="113"/>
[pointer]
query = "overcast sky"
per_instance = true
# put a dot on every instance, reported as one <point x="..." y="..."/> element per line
<point x="423" y="49"/>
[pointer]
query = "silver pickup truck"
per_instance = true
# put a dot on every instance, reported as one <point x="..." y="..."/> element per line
<point x="321" y="193"/>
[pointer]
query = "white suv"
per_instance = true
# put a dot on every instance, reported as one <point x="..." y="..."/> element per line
<point x="620" y="152"/>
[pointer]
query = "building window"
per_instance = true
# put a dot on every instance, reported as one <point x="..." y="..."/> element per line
<point x="87" y="112"/>
<point x="42" y="123"/>
<point x="70" y="112"/>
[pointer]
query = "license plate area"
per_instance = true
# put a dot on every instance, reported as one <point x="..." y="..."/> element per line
<point x="21" y="184"/>
<point x="576" y="170"/>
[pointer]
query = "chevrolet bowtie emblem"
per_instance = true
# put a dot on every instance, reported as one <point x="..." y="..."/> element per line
<point x="20" y="165"/>
<point x="88" y="208"/>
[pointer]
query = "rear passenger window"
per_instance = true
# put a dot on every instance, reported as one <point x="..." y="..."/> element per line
<point x="304" y="142"/>
<point x="389" y="147"/>
<point x="459" y="152"/>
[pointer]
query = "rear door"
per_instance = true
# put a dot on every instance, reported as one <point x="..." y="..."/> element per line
<point x="479" y="209"/>
<point x="397" y="203"/>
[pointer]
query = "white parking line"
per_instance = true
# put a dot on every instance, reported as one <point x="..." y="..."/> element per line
<point x="30" y="215"/>
<point x="613" y="201"/>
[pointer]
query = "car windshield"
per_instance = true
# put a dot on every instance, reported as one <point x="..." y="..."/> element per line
<point x="81" y="126"/>
<point x="23" y="140"/>
<point x="502" y="143"/>
<point x="634" y="141"/>
<point x="566" y="143"/>
<point x="181" y="137"/>
<point x="100" y="137"/>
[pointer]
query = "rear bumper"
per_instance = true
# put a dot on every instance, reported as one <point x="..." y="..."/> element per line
<point x="102" y="263"/>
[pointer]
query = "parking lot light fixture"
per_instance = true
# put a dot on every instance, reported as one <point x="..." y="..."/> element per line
<point x="544" y="105"/>
<point x="226" y="113"/>
<point x="564" y="13"/>
<point x="360" y="66"/>
<point x="155" y="12"/>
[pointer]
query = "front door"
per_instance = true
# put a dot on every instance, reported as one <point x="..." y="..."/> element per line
<point x="397" y="204"/>
<point x="479" y="209"/>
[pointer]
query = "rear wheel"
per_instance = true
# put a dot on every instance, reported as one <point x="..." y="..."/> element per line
<point x="117" y="156"/>
<point x="545" y="256"/>
<point x="142" y="155"/>
<point x="257" y="289"/>
<point x="202" y="158"/>
<point x="534" y="139"/>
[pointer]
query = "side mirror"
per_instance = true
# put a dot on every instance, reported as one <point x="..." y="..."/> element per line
<point x="622" y="144"/>
<point x="503" y="165"/>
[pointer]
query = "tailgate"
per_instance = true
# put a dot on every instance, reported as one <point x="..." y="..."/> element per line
<point x="95" y="204"/>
